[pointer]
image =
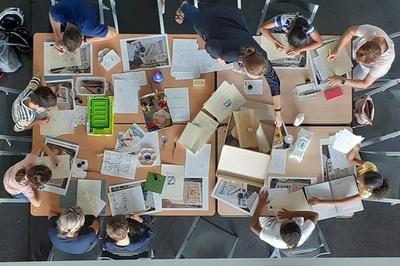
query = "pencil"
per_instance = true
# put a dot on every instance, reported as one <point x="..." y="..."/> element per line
<point x="329" y="52"/>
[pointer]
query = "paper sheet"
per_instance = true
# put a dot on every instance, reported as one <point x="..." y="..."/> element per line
<point x="295" y="201"/>
<point x="208" y="64"/>
<point x="277" y="193"/>
<point x="80" y="115"/>
<point x="253" y="86"/>
<point x="178" y="104"/>
<point x="63" y="170"/>
<point x="345" y="141"/>
<point x="110" y="60"/>
<point x="127" y="201"/>
<point x="88" y="197"/>
<point x="173" y="186"/>
<point x="270" y="48"/>
<point x="119" y="164"/>
<point x="338" y="159"/>
<point x="126" y="96"/>
<point x="60" y="123"/>
<point x="54" y="60"/>
<point x="184" y="60"/>
<point x="322" y="191"/>
<point x="198" y="165"/>
<point x="139" y="76"/>
<point x="278" y="161"/>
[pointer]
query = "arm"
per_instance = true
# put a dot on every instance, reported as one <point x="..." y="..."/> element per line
<point x="307" y="215"/>
<point x="355" y="83"/>
<point x="111" y="33"/>
<point x="274" y="84"/>
<point x="50" y="153"/>
<point x="265" y="31"/>
<point x="316" y="42"/>
<point x="56" y="26"/>
<point x="335" y="202"/>
<point x="345" y="39"/>
<point x="255" y="226"/>
<point x="95" y="225"/>
<point x="35" y="199"/>
<point x="351" y="156"/>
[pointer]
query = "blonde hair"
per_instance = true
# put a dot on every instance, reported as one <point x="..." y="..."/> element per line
<point x="117" y="227"/>
<point x="70" y="222"/>
<point x="253" y="61"/>
<point x="368" y="53"/>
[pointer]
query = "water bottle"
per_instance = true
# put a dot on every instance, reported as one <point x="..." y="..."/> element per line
<point x="158" y="76"/>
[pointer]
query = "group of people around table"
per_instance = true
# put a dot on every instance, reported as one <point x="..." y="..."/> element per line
<point x="228" y="40"/>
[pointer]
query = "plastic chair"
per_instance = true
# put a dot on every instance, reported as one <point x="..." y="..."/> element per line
<point x="273" y="8"/>
<point x="206" y="240"/>
<point x="314" y="246"/>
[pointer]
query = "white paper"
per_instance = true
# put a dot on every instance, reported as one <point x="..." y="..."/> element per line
<point x="126" y="96"/>
<point x="127" y="201"/>
<point x="60" y="123"/>
<point x="139" y="76"/>
<point x="110" y="60"/>
<point x="345" y="141"/>
<point x="271" y="50"/>
<point x="151" y="140"/>
<point x="322" y="191"/>
<point x="184" y="60"/>
<point x="278" y="161"/>
<point x="277" y="193"/>
<point x="343" y="188"/>
<point x="173" y="185"/>
<point x="208" y="64"/>
<point x="253" y="86"/>
<point x="63" y="170"/>
<point x="338" y="159"/>
<point x="119" y="164"/>
<point x="198" y="165"/>
<point x="178" y="104"/>
<point x="79" y="172"/>
<point x="56" y="60"/>
<point x="88" y="197"/>
<point x="295" y="201"/>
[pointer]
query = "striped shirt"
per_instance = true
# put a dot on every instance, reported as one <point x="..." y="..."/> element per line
<point x="22" y="115"/>
<point x="284" y="22"/>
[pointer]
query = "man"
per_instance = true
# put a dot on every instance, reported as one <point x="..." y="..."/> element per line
<point x="72" y="21"/>
<point x="289" y="229"/>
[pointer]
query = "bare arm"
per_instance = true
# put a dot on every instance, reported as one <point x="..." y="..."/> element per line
<point x="95" y="225"/>
<point x="355" y="83"/>
<point x="335" y="202"/>
<point x="277" y="105"/>
<point x="35" y="200"/>
<point x="316" y="42"/>
<point x="111" y="33"/>
<point x="265" y="31"/>
<point x="307" y="215"/>
<point x="56" y="29"/>
<point x="351" y="156"/>
<point x="346" y="38"/>
<point x="255" y="226"/>
<point x="50" y="153"/>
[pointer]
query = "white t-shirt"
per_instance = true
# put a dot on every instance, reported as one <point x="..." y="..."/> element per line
<point x="270" y="232"/>
<point x="366" y="33"/>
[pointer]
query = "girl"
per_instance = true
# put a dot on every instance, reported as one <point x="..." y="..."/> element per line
<point x="22" y="179"/>
<point x="370" y="182"/>
<point x="298" y="29"/>
<point x="229" y="41"/>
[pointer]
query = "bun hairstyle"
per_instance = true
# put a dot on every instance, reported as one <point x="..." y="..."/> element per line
<point x="38" y="175"/>
<point x="368" y="53"/>
<point x="376" y="182"/>
<point x="253" y="61"/>
<point x="297" y="35"/>
<point x="70" y="222"/>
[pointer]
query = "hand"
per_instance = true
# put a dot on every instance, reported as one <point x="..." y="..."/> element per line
<point x="335" y="81"/>
<point x="278" y="119"/>
<point x="45" y="121"/>
<point x="221" y="62"/>
<point x="284" y="214"/>
<point x="263" y="201"/>
<point x="293" y="52"/>
<point x="136" y="217"/>
<point x="333" y="55"/>
<point x="314" y="201"/>
<point x="280" y="47"/>
<point x="357" y="148"/>
<point x="59" y="46"/>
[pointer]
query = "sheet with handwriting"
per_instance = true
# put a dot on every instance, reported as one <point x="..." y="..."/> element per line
<point x="178" y="104"/>
<point x="119" y="164"/>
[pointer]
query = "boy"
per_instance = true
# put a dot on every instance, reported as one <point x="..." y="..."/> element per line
<point x="78" y="19"/>
<point x="130" y="235"/>
<point x="289" y="229"/>
<point x="32" y="101"/>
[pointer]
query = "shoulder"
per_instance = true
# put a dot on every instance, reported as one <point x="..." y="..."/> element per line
<point x="366" y="167"/>
<point x="272" y="239"/>
<point x="306" y="230"/>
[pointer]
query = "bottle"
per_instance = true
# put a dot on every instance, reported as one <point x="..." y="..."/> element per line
<point x="158" y="76"/>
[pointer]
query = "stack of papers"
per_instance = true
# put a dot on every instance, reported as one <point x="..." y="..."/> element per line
<point x="183" y="65"/>
<point x="126" y="96"/>
<point x="139" y="76"/>
<point x="88" y="197"/>
<point x="345" y="141"/>
<point x="178" y="104"/>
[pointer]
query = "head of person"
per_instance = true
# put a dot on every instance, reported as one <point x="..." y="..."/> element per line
<point x="43" y="98"/>
<point x="297" y="35"/>
<point x="254" y="63"/>
<point x="290" y="233"/>
<point x="374" y="182"/>
<point x="72" y="38"/>
<point x="117" y="227"/>
<point x="368" y="53"/>
<point x="37" y="175"/>
<point x="69" y="223"/>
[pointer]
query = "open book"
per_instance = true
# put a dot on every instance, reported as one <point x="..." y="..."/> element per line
<point x="335" y="189"/>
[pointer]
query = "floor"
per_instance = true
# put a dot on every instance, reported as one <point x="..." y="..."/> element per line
<point x="370" y="233"/>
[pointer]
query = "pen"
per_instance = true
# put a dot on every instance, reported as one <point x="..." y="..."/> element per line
<point x="329" y="52"/>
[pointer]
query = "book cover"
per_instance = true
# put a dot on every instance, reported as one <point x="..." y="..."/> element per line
<point x="155" y="111"/>
<point x="155" y="182"/>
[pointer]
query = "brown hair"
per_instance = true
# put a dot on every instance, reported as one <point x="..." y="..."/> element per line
<point x="38" y="175"/>
<point x="44" y="97"/>
<point x="290" y="233"/>
<point x="117" y="227"/>
<point x="378" y="185"/>
<point x="72" y="37"/>
<point x="20" y="175"/>
<point x="253" y="61"/>
<point x="368" y="53"/>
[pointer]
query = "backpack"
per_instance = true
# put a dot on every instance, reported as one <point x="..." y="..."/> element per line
<point x="9" y="59"/>
<point x="364" y="110"/>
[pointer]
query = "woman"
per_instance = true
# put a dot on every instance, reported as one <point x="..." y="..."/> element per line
<point x="229" y="41"/>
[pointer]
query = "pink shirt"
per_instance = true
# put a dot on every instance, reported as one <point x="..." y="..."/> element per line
<point x="11" y="185"/>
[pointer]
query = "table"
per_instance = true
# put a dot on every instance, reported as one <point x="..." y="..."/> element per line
<point x="317" y="110"/>
<point x="309" y="167"/>
<point x="197" y="95"/>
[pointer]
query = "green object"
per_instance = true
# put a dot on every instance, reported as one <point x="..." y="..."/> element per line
<point x="101" y="116"/>
<point x="154" y="182"/>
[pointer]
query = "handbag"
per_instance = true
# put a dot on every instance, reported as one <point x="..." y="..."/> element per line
<point x="364" y="110"/>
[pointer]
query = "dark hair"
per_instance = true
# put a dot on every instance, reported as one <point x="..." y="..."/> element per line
<point x="368" y="53"/>
<point x="376" y="182"/>
<point x="44" y="97"/>
<point x="72" y="37"/>
<point x="117" y="227"/>
<point x="297" y="35"/>
<point x="39" y="175"/>
<point x="253" y="61"/>
<point x="20" y="175"/>
<point x="290" y="233"/>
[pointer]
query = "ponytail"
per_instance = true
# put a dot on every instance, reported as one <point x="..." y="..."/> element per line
<point x="376" y="183"/>
<point x="246" y="51"/>
<point x="297" y="35"/>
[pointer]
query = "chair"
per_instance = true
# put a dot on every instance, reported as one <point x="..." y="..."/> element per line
<point x="273" y="8"/>
<point x="144" y="253"/>
<point x="206" y="240"/>
<point x="314" y="246"/>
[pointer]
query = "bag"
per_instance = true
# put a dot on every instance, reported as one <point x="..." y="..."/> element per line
<point x="9" y="60"/>
<point x="364" y="110"/>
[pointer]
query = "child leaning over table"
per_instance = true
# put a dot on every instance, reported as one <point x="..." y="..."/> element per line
<point x="127" y="235"/>
<point x="34" y="100"/>
<point x="370" y="182"/>
<point x="22" y="179"/>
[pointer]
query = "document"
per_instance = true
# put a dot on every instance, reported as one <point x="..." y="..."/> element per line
<point x="198" y="165"/>
<point x="184" y="59"/>
<point x="178" y="104"/>
<point x="253" y="86"/>
<point x="119" y="164"/>
<point x="139" y="76"/>
<point x="295" y="201"/>
<point x="56" y="60"/>
<point x="126" y="96"/>
<point x="173" y="185"/>
<point x="278" y="161"/>
<point x="291" y="183"/>
<point x="60" y="123"/>
<point x="271" y="50"/>
<point x="345" y="141"/>
<point x="62" y="170"/>
<point x="208" y="64"/>
<point x="88" y="197"/>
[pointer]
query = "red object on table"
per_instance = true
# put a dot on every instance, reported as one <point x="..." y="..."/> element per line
<point x="333" y="93"/>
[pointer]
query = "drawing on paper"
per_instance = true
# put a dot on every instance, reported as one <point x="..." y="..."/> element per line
<point x="331" y="166"/>
<point x="291" y="183"/>
<point x="192" y="195"/>
<point x="64" y="90"/>
<point x="119" y="164"/>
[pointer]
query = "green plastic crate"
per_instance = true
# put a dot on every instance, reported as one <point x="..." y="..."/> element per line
<point x="101" y="116"/>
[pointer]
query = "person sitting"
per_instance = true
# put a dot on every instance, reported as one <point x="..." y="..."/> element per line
<point x="72" y="21"/>
<point x="286" y="230"/>
<point x="374" y="52"/>
<point x="69" y="233"/>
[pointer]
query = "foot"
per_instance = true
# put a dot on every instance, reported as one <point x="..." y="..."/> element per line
<point x="179" y="16"/>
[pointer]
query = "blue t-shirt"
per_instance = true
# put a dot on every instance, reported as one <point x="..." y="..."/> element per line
<point x="78" y="245"/>
<point x="81" y="14"/>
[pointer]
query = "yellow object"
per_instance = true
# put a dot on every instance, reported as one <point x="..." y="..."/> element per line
<point x="366" y="167"/>
<point x="329" y="52"/>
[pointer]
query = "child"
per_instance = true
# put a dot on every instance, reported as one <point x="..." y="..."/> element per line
<point x="127" y="235"/>
<point x="289" y="229"/>
<point x="298" y="29"/>
<point x="370" y="182"/>
<point x="32" y="101"/>
<point x="69" y="234"/>
<point x="374" y="52"/>
<point x="22" y="179"/>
